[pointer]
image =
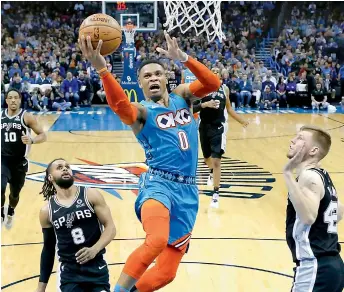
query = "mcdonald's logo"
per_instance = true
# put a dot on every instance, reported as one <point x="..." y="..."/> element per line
<point x="131" y="93"/>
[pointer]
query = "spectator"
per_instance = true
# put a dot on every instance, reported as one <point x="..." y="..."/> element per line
<point x="281" y="92"/>
<point x="269" y="99"/>
<point x="245" y="91"/>
<point x="85" y="89"/>
<point x="70" y="89"/>
<point x="319" y="98"/>
<point x="257" y="89"/>
<point x="291" y="90"/>
<point x="234" y="88"/>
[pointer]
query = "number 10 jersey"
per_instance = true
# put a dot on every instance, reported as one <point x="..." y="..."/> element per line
<point x="76" y="226"/>
<point x="307" y="242"/>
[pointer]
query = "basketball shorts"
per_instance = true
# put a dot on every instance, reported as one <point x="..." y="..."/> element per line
<point x="179" y="194"/>
<point x="13" y="171"/>
<point x="90" y="277"/>
<point x="324" y="274"/>
<point x="213" y="139"/>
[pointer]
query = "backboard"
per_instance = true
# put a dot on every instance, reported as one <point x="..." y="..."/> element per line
<point x="143" y="14"/>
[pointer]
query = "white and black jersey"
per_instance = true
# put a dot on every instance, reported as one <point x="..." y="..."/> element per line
<point x="315" y="248"/>
<point x="76" y="226"/>
<point x="12" y="129"/>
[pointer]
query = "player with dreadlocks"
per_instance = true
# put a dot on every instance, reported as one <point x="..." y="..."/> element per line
<point x="79" y="222"/>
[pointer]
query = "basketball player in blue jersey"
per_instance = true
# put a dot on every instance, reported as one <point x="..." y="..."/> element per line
<point x="188" y="76"/>
<point x="214" y="110"/>
<point x="78" y="222"/>
<point x="167" y="202"/>
<point x="313" y="213"/>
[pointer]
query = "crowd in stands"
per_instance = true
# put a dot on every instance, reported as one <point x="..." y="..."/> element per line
<point x="41" y="58"/>
<point x="310" y="51"/>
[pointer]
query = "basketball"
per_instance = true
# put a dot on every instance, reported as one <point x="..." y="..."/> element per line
<point x="102" y="27"/>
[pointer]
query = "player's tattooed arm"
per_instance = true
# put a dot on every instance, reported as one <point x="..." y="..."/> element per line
<point x="103" y="213"/>
<point x="141" y="118"/>
<point x="32" y="123"/>
<point x="48" y="251"/>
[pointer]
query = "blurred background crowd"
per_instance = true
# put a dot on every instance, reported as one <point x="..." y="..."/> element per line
<point x="277" y="54"/>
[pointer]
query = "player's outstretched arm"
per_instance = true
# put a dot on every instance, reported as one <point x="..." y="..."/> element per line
<point x="232" y="112"/>
<point x="48" y="251"/>
<point x="103" y="213"/>
<point x="129" y="113"/>
<point x="207" y="81"/>
<point x="305" y="194"/>
<point x="32" y="123"/>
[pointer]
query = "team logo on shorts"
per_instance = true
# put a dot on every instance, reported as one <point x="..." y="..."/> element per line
<point x="239" y="179"/>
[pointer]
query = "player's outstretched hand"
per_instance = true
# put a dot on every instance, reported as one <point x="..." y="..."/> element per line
<point x="26" y="139"/>
<point x="173" y="52"/>
<point x="85" y="254"/>
<point x="94" y="56"/>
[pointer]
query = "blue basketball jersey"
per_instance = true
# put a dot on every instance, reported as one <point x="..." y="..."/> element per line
<point x="189" y="76"/>
<point x="169" y="137"/>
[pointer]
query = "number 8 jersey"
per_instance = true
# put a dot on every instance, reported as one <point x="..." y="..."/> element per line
<point x="320" y="238"/>
<point x="76" y="226"/>
<point x="12" y="129"/>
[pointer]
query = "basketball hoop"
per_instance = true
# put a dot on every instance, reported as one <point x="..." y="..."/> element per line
<point x="129" y="31"/>
<point x="202" y="16"/>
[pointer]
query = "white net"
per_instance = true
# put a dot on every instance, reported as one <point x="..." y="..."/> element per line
<point x="202" y="16"/>
<point x="129" y="32"/>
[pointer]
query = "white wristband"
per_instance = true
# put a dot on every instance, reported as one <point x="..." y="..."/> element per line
<point x="186" y="58"/>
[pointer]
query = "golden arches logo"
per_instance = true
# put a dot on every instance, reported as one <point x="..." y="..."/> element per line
<point x="131" y="93"/>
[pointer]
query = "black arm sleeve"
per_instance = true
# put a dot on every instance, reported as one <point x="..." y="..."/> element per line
<point x="196" y="107"/>
<point x="48" y="254"/>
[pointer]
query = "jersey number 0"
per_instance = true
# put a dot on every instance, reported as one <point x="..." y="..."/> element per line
<point x="183" y="140"/>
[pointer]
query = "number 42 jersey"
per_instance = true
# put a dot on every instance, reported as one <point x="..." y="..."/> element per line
<point x="320" y="238"/>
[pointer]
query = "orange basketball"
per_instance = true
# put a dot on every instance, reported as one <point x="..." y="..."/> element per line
<point x="102" y="27"/>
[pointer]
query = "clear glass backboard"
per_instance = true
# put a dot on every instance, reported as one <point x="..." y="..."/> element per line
<point x="143" y="14"/>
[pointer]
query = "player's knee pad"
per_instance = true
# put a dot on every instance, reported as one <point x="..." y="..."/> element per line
<point x="154" y="245"/>
<point x="165" y="277"/>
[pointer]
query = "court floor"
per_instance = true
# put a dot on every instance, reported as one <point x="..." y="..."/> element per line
<point x="240" y="247"/>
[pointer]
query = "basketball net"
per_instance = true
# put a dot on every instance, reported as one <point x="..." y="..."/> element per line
<point x="129" y="31"/>
<point x="202" y="16"/>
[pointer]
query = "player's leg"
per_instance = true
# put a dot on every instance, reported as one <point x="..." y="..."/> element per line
<point x="16" y="184"/>
<point x="217" y="142"/>
<point x="206" y="150"/>
<point x="71" y="287"/>
<point x="155" y="219"/>
<point x="163" y="272"/>
<point x="5" y="177"/>
<point x="329" y="274"/>
<point x="4" y="180"/>
<point x="183" y="216"/>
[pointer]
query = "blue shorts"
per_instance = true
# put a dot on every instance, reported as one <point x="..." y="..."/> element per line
<point x="180" y="199"/>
